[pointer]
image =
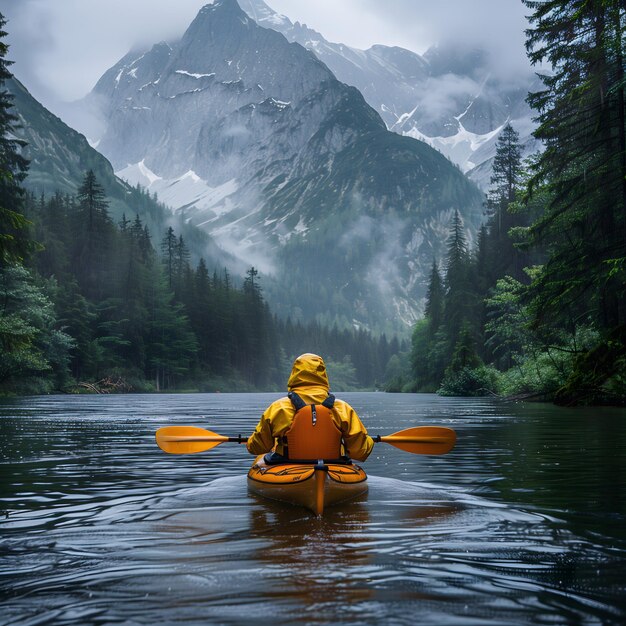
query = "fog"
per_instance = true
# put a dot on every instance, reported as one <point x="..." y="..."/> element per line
<point x="62" y="47"/>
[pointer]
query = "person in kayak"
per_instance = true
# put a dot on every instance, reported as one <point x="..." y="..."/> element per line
<point x="309" y="423"/>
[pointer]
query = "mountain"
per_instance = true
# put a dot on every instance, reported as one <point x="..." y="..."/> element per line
<point x="255" y="140"/>
<point x="59" y="158"/>
<point x="449" y="97"/>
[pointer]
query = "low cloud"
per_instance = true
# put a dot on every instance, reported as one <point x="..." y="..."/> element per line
<point x="61" y="48"/>
<point x="443" y="94"/>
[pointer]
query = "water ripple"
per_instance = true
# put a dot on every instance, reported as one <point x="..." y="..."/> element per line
<point x="103" y="528"/>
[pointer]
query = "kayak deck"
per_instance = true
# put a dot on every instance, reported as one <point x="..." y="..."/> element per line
<point x="313" y="486"/>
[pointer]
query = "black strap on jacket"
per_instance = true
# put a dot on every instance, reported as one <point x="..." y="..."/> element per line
<point x="299" y="403"/>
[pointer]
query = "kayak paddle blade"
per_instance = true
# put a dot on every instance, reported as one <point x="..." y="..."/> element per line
<point x="187" y="439"/>
<point x="423" y="440"/>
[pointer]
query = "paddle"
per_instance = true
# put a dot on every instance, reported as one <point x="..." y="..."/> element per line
<point x="421" y="439"/>
<point x="417" y="440"/>
<point x="190" y="439"/>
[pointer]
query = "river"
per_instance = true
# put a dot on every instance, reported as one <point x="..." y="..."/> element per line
<point x="524" y="522"/>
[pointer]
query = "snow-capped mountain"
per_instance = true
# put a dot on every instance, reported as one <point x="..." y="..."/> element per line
<point x="257" y="142"/>
<point x="449" y="97"/>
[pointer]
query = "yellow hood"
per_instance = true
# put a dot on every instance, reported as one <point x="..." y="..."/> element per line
<point x="308" y="370"/>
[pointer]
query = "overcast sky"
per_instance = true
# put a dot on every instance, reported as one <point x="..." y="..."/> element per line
<point x="61" y="47"/>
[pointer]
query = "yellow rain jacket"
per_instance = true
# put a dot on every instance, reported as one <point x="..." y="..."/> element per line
<point x="309" y="380"/>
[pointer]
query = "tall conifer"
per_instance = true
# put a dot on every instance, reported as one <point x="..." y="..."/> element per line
<point x="14" y="237"/>
<point x="434" y="300"/>
<point x="581" y="122"/>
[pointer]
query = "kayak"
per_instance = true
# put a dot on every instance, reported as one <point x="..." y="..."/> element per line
<point x="313" y="486"/>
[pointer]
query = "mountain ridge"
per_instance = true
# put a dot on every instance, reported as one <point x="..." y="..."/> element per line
<point x="445" y="97"/>
<point x="282" y="151"/>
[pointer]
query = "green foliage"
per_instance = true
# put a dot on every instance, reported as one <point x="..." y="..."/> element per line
<point x="398" y="374"/>
<point x="544" y="368"/>
<point x="599" y="373"/>
<point x="470" y="381"/>
<point x="30" y="343"/>
<point x="464" y="355"/>
<point x="539" y="374"/>
<point x="507" y="328"/>
<point x="342" y="375"/>
<point x="434" y="300"/>
<point x="428" y="357"/>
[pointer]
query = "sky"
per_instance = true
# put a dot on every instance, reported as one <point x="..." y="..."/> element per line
<point x="60" y="48"/>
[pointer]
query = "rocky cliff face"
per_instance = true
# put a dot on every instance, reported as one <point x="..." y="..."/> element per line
<point x="449" y="97"/>
<point x="255" y="140"/>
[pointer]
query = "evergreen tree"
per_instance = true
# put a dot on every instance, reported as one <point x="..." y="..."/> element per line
<point x="506" y="169"/>
<point x="169" y="245"/>
<point x="171" y="345"/>
<point x="581" y="122"/>
<point x="256" y="351"/>
<point x="434" y="300"/>
<point x="77" y="318"/>
<point x="14" y="237"/>
<point x="459" y="300"/>
<point x="502" y="256"/>
<point x="94" y="238"/>
<point x="202" y="315"/>
<point x="30" y="343"/>
<point x="464" y="354"/>
<point x="52" y="231"/>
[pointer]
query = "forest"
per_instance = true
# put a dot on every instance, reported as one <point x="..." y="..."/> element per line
<point x="537" y="309"/>
<point x="96" y="303"/>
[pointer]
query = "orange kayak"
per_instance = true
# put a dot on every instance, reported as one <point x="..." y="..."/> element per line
<point x="313" y="486"/>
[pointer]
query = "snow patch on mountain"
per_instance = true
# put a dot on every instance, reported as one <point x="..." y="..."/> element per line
<point x="181" y="192"/>
<point x="193" y="74"/>
<point x="459" y="148"/>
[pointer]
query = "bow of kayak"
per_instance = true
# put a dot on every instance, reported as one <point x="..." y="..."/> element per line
<point x="305" y="484"/>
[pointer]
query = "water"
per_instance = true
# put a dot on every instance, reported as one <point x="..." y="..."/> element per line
<point x="523" y="523"/>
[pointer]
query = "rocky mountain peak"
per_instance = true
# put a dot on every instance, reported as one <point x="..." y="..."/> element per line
<point x="253" y="139"/>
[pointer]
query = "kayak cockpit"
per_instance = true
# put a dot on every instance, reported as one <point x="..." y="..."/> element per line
<point x="314" y="486"/>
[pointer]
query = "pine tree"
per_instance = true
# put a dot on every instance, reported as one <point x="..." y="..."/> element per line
<point x="506" y="169"/>
<point x="502" y="256"/>
<point x="434" y="300"/>
<point x="171" y="345"/>
<point x="14" y="237"/>
<point x="94" y="239"/>
<point x="180" y="266"/>
<point x="30" y="344"/>
<point x="256" y="354"/>
<point x="581" y="122"/>
<point x="169" y="245"/>
<point x="458" y="302"/>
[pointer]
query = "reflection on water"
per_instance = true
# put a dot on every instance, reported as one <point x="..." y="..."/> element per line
<point x="524" y="522"/>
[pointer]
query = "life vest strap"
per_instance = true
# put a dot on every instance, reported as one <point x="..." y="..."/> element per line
<point x="299" y="403"/>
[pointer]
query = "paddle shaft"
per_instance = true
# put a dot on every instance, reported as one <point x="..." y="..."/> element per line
<point x="376" y="438"/>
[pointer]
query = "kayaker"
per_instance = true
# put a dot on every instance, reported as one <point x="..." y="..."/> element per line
<point x="291" y="427"/>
